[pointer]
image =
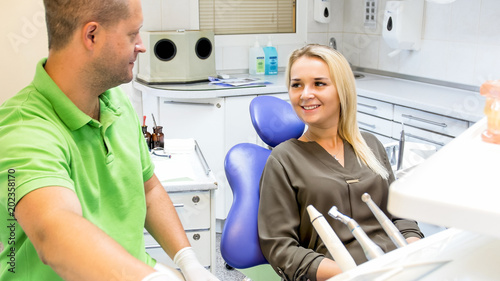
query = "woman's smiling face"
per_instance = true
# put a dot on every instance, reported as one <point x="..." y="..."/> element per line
<point x="313" y="94"/>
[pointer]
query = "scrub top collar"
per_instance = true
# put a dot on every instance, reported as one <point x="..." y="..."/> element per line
<point x="69" y="113"/>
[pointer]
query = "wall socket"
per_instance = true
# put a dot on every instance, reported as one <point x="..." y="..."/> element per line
<point x="370" y="17"/>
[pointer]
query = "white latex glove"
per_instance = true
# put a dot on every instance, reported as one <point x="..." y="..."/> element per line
<point x="191" y="268"/>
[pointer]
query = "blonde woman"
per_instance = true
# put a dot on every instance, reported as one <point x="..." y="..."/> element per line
<point x="331" y="164"/>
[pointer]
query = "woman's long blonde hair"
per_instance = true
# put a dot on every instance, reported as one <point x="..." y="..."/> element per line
<point x="343" y="79"/>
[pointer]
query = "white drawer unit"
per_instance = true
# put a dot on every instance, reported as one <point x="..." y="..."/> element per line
<point x="199" y="240"/>
<point x="375" y="107"/>
<point x="413" y="134"/>
<point x="429" y="121"/>
<point x="375" y="124"/>
<point x="193" y="209"/>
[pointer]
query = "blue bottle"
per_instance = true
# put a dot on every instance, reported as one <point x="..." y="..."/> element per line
<point x="271" y="59"/>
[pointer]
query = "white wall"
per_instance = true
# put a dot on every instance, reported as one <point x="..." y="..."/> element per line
<point x="461" y="41"/>
<point x="23" y="43"/>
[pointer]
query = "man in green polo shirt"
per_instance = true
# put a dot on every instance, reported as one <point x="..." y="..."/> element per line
<point x="77" y="184"/>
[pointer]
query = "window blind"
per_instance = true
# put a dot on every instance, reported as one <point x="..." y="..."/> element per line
<point x="247" y="16"/>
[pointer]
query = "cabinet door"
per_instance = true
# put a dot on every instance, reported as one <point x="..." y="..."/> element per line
<point x="202" y="120"/>
<point x="375" y="107"/>
<point x="413" y="134"/>
<point x="375" y="124"/>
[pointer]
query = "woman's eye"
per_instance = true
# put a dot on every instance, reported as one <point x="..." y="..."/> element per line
<point x="295" y="85"/>
<point x="320" y="84"/>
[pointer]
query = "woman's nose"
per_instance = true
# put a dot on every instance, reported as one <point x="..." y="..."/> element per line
<point x="307" y="93"/>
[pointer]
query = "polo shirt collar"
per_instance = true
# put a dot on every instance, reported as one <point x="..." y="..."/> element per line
<point x="67" y="111"/>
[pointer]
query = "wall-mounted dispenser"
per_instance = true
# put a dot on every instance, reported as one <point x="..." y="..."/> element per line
<point x="322" y="11"/>
<point x="402" y="27"/>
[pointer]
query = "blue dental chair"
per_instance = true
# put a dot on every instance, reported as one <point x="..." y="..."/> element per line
<point x="275" y="121"/>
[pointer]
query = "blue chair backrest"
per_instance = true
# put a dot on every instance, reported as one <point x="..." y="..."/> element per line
<point x="275" y="122"/>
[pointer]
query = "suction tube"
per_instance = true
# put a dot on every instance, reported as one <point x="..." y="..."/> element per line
<point x="371" y="249"/>
<point x="331" y="240"/>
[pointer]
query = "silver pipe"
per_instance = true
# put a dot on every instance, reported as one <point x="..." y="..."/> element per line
<point x="370" y="249"/>
<point x="391" y="230"/>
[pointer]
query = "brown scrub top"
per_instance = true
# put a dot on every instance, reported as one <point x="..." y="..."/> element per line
<point x="298" y="174"/>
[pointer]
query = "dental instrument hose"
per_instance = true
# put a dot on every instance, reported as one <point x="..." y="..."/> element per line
<point x="370" y="249"/>
<point x="391" y="230"/>
<point x="331" y="240"/>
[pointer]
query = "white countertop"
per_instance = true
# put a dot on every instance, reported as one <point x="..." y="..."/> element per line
<point x="185" y="169"/>
<point x="452" y="254"/>
<point x="457" y="103"/>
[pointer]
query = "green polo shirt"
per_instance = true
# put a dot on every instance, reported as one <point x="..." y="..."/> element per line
<point x="45" y="140"/>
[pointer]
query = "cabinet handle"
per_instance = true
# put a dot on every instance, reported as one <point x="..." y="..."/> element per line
<point x="424" y="139"/>
<point x="368" y="106"/>
<point x="179" y="205"/>
<point x="194" y="103"/>
<point x="153" y="247"/>
<point x="425" y="120"/>
<point x="367" y="125"/>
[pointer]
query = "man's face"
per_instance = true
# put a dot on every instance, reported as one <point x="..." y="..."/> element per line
<point x="119" y="51"/>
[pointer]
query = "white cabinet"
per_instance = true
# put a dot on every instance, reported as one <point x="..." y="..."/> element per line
<point x="385" y="120"/>
<point x="191" y="190"/>
<point x="203" y="120"/>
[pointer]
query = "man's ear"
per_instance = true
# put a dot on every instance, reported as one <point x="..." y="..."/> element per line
<point x="90" y="32"/>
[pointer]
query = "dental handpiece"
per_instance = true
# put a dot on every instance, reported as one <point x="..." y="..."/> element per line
<point x="370" y="249"/>
<point x="331" y="240"/>
<point x="391" y="230"/>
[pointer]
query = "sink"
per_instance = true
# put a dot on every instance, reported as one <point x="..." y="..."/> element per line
<point x="358" y="75"/>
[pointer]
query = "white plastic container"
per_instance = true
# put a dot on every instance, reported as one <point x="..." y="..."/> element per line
<point x="256" y="59"/>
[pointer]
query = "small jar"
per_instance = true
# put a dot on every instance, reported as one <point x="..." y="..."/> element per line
<point x="157" y="137"/>
<point x="491" y="90"/>
<point x="147" y="136"/>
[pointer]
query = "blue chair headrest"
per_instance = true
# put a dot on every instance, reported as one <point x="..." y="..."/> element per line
<point x="275" y="120"/>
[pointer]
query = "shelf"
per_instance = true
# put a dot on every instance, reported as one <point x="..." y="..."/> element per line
<point x="456" y="187"/>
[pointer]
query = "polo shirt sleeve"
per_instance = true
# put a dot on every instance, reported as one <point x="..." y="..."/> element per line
<point x="35" y="154"/>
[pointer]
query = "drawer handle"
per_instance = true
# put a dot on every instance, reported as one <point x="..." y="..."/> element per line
<point x="368" y="106"/>
<point x="153" y="247"/>
<point x="424" y="139"/>
<point x="218" y="105"/>
<point x="179" y="205"/>
<point x="367" y="125"/>
<point x="425" y="120"/>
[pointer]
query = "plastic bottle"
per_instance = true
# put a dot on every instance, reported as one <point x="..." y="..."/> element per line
<point x="256" y="59"/>
<point x="491" y="90"/>
<point x="271" y="61"/>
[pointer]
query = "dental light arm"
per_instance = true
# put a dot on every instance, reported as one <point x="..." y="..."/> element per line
<point x="331" y="240"/>
<point x="386" y="223"/>
<point x="370" y="249"/>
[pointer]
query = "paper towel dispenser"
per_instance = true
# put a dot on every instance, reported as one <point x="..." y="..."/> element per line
<point x="402" y="27"/>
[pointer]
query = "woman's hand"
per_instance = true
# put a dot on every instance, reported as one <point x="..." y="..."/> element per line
<point x="327" y="269"/>
<point x="412" y="239"/>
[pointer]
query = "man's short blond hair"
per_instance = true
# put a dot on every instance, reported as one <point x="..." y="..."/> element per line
<point x="64" y="17"/>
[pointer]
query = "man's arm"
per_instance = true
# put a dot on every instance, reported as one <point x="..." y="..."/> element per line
<point x="74" y="247"/>
<point x="162" y="221"/>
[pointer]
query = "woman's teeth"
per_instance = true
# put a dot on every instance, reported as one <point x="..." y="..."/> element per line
<point x="310" y="107"/>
